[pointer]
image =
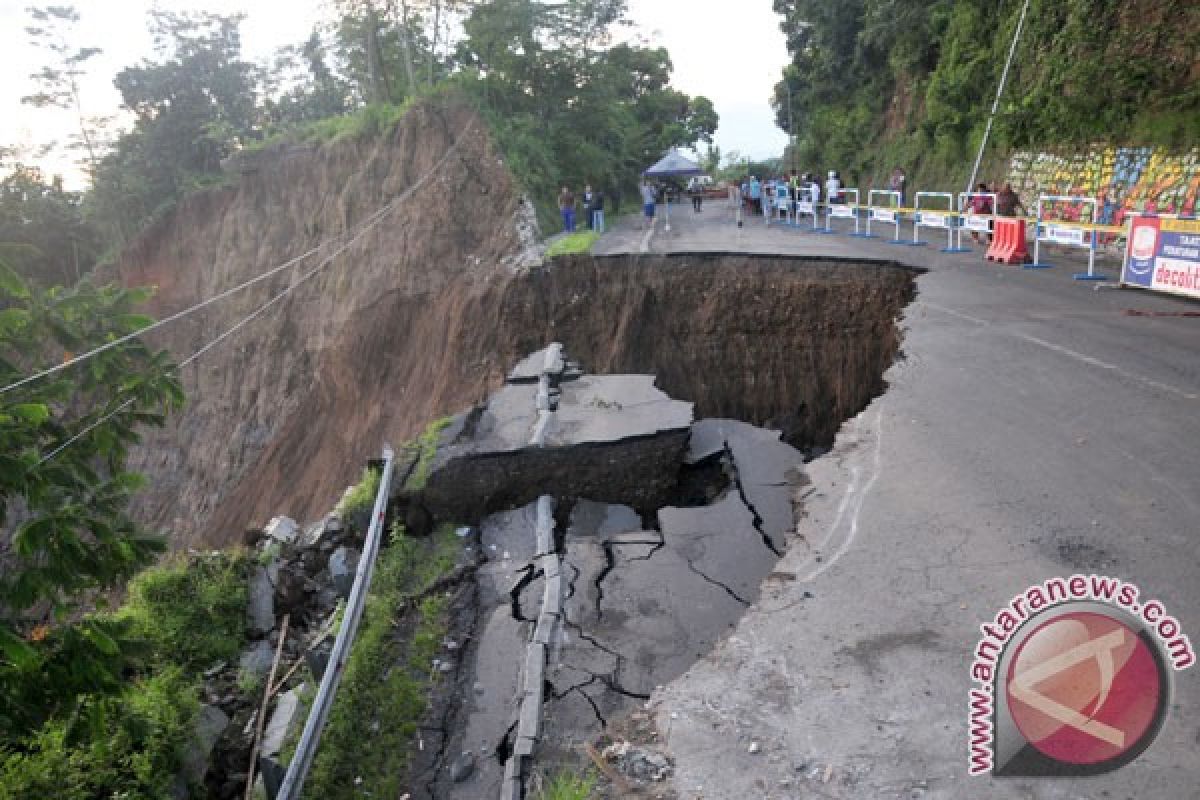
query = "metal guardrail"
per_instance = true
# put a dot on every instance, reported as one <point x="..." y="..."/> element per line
<point x="293" y="781"/>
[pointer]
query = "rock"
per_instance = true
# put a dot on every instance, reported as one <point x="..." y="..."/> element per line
<point x="210" y="723"/>
<point x="327" y="598"/>
<point x="285" y="716"/>
<point x="321" y="533"/>
<point x="260" y="604"/>
<point x="317" y="660"/>
<point x="272" y="774"/>
<point x="282" y="529"/>
<point x="637" y="762"/>
<point x="290" y="587"/>
<point x="256" y="659"/>
<point x="342" y="566"/>
<point x="215" y="669"/>
<point x="462" y="767"/>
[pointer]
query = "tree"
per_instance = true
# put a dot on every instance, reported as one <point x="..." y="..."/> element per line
<point x="58" y="82"/>
<point x="65" y="532"/>
<point x="192" y="106"/>
<point x="43" y="233"/>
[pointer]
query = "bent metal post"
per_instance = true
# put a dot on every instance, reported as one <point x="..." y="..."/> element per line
<point x="1072" y="677"/>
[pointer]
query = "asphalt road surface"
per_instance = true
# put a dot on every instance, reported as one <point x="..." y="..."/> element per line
<point x="1032" y="429"/>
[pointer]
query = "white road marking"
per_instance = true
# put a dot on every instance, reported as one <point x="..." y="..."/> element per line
<point x="852" y="501"/>
<point x="645" y="246"/>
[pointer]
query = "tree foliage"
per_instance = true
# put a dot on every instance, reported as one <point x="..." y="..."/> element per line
<point x="43" y="233"/>
<point x="878" y="83"/>
<point x="65" y="531"/>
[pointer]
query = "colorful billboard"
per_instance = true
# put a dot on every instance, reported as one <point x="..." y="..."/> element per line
<point x="1163" y="254"/>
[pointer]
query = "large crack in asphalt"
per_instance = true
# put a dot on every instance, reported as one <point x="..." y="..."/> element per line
<point x="610" y="559"/>
<point x="757" y="520"/>
<point x="691" y="565"/>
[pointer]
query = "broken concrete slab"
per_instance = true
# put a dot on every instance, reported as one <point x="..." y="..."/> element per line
<point x="492" y="707"/>
<point x="589" y="518"/>
<point x="285" y="717"/>
<point x="512" y="532"/>
<point x="721" y="543"/>
<point x="612" y="438"/>
<point x="608" y="408"/>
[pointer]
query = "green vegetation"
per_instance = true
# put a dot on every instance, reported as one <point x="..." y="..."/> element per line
<point x="362" y="497"/>
<point x="573" y="243"/>
<point x="191" y="611"/>
<point x="425" y="447"/>
<point x="566" y="105"/>
<point x="127" y="742"/>
<point x="876" y="84"/>
<point x="569" y="786"/>
<point x="387" y="680"/>
<point x="64" y="509"/>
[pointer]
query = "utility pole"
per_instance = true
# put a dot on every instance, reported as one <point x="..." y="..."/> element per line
<point x="996" y="103"/>
<point x="791" y="123"/>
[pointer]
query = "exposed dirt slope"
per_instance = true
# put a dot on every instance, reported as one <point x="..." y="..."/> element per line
<point x="283" y="413"/>
<point x="424" y="314"/>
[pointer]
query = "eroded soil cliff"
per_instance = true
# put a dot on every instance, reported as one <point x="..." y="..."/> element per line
<point x="426" y="311"/>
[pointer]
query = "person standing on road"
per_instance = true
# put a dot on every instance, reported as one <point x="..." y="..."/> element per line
<point x="566" y="205"/>
<point x="697" y="193"/>
<point x="833" y="188"/>
<point x="896" y="184"/>
<point x="589" y="201"/>
<point x="648" y="198"/>
<point x="980" y="204"/>
<point x="596" y="212"/>
<point x="1007" y="202"/>
<point x="735" y="201"/>
<point x="756" y="194"/>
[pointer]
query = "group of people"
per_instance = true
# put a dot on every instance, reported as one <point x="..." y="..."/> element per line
<point x="593" y="208"/>
<point x="780" y="193"/>
<point x="1007" y="203"/>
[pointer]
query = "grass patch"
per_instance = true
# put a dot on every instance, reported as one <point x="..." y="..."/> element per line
<point x="362" y="497"/>
<point x="366" y="122"/>
<point x="572" y="244"/>
<point x="191" y="612"/>
<point x="568" y="786"/>
<point x="426" y="448"/>
<point x="384" y="692"/>
<point x="186" y="614"/>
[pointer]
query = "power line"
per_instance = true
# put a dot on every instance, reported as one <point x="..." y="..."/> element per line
<point x="365" y="226"/>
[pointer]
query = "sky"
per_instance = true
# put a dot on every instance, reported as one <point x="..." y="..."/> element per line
<point x="708" y="44"/>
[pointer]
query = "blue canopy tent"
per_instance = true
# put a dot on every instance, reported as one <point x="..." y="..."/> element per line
<point x="673" y="165"/>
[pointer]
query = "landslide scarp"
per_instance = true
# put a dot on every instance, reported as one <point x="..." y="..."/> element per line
<point x="423" y="314"/>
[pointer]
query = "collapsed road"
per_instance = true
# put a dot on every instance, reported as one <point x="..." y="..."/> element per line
<point x="618" y="540"/>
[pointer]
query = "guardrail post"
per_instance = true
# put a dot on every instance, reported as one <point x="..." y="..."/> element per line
<point x="890" y="214"/>
<point x="1067" y="233"/>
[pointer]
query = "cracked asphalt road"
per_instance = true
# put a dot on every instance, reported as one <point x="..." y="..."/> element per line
<point x="1033" y="429"/>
